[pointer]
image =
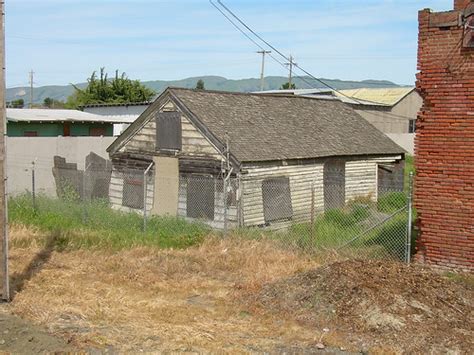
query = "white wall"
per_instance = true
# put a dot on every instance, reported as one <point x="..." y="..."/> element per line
<point x="121" y="113"/>
<point x="404" y="140"/>
<point x="21" y="151"/>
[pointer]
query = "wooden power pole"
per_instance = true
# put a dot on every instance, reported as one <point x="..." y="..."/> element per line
<point x="31" y="88"/>
<point x="262" y="72"/>
<point x="290" y="65"/>
<point x="3" y="165"/>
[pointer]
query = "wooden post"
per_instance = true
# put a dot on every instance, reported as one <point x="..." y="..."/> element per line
<point x="313" y="227"/>
<point x="3" y="165"/>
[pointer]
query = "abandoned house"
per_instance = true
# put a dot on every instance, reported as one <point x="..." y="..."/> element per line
<point x="272" y="148"/>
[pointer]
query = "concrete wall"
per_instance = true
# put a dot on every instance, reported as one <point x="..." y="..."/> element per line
<point x="21" y="151"/>
<point x="393" y="119"/>
<point x="404" y="140"/>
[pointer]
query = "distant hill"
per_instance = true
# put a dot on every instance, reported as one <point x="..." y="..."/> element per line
<point x="211" y="82"/>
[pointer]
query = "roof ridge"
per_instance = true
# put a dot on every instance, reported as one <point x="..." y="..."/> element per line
<point x="256" y="94"/>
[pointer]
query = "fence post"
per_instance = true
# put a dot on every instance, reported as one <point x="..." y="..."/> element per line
<point x="313" y="235"/>
<point x="145" y="193"/>
<point x="225" y="204"/>
<point x="83" y="197"/>
<point x="410" y="216"/>
<point x="33" y="184"/>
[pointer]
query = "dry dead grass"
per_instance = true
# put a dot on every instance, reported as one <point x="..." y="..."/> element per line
<point x="150" y="299"/>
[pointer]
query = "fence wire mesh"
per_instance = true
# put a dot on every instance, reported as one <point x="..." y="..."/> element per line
<point x="318" y="214"/>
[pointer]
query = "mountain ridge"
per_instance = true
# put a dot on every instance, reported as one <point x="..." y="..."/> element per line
<point x="212" y="82"/>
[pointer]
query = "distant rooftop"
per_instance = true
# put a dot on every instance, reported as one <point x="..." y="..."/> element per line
<point x="143" y="103"/>
<point x="297" y="92"/>
<point x="51" y="115"/>
<point x="368" y="96"/>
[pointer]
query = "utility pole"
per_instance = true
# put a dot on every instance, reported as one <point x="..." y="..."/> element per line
<point x="31" y="88"/>
<point x="262" y="77"/>
<point x="3" y="164"/>
<point x="290" y="64"/>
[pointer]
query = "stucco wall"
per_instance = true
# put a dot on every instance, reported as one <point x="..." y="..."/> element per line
<point x="394" y="119"/>
<point x="21" y="151"/>
<point x="404" y="140"/>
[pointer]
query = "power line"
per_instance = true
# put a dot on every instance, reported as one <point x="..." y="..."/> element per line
<point x="277" y="51"/>
<point x="255" y="42"/>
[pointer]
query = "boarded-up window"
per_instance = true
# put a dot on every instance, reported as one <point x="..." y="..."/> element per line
<point x="133" y="191"/>
<point x="276" y="199"/>
<point x="200" y="196"/>
<point x="168" y="131"/>
<point x="97" y="131"/>
<point x="334" y="184"/>
<point x="390" y="177"/>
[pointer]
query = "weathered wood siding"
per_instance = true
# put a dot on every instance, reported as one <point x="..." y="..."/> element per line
<point x="360" y="181"/>
<point x="194" y="144"/>
<point x="116" y="192"/>
<point x="301" y="179"/>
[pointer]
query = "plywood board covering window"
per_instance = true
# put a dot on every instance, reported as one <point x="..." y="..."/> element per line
<point x="200" y="197"/>
<point x="97" y="131"/>
<point x="276" y="196"/>
<point x="168" y="131"/>
<point x="133" y="191"/>
<point x="334" y="184"/>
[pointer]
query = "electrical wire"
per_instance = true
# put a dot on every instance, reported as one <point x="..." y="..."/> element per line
<point x="281" y="54"/>
<point x="257" y="44"/>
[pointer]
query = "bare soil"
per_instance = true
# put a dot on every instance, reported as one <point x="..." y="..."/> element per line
<point x="380" y="305"/>
<point x="19" y="336"/>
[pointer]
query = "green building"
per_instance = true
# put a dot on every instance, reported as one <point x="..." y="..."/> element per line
<point x="53" y="123"/>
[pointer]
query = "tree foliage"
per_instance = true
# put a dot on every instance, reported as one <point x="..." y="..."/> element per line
<point x="19" y="103"/>
<point x="101" y="89"/>
<point x="286" y="86"/>
<point x="53" y="103"/>
<point x="200" y="84"/>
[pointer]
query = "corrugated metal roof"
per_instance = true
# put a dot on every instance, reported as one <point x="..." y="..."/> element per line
<point x="386" y="96"/>
<point x="50" y="115"/>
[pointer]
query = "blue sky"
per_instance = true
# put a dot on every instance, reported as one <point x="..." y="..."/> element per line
<point x="63" y="41"/>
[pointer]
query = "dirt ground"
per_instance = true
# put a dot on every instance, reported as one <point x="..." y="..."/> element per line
<point x="232" y="296"/>
<point x="21" y="337"/>
<point x="382" y="305"/>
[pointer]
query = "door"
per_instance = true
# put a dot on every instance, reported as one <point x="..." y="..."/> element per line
<point x="334" y="184"/>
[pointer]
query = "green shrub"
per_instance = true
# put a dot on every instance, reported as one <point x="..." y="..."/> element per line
<point x="391" y="202"/>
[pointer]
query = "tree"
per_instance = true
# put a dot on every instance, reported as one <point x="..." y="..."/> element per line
<point x="103" y="90"/>
<point x="200" y="85"/>
<point x="20" y="103"/>
<point x="52" y="103"/>
<point x="286" y="86"/>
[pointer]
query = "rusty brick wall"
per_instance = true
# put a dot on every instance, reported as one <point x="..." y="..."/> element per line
<point x="444" y="143"/>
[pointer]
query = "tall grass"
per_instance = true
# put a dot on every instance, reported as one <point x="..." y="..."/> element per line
<point x="359" y="225"/>
<point x="76" y="224"/>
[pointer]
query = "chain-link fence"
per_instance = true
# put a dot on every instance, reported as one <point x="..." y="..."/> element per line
<point x="331" y="216"/>
<point x="366" y="218"/>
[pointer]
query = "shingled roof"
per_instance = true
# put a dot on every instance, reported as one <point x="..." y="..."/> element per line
<point x="273" y="127"/>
